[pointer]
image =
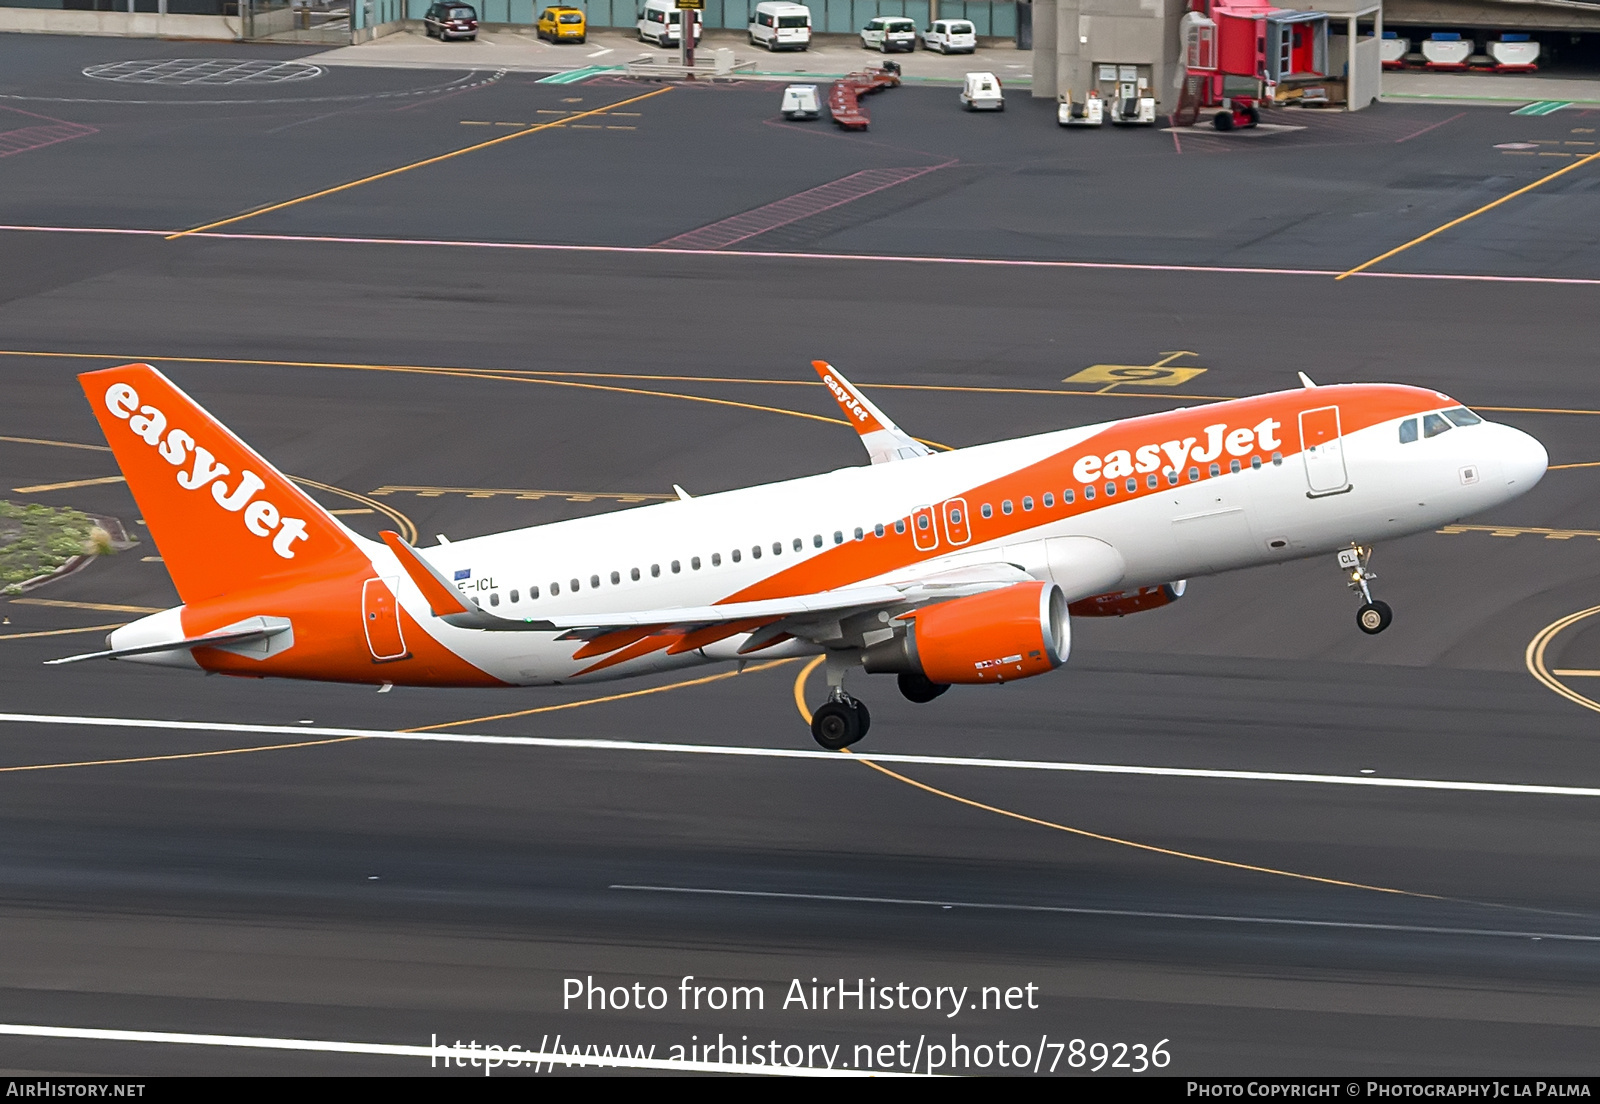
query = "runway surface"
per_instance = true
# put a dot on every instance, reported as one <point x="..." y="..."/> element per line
<point x="380" y="890"/>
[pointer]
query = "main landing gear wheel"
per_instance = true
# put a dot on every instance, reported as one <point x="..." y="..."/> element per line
<point x="840" y="722"/>
<point x="920" y="688"/>
<point x="1374" y="617"/>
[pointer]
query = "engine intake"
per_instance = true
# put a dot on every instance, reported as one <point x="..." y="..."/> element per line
<point x="1012" y="633"/>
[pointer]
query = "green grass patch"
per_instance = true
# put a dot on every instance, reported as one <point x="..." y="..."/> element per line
<point x="35" y="540"/>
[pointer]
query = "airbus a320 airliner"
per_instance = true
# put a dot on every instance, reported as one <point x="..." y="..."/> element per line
<point x="937" y="567"/>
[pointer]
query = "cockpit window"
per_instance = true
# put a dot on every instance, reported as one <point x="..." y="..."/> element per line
<point x="1433" y="425"/>
<point x="1408" y="431"/>
<point x="1461" y="416"/>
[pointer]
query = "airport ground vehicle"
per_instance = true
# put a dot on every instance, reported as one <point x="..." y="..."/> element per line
<point x="780" y="26"/>
<point x="446" y="21"/>
<point x="982" y="92"/>
<point x="889" y="33"/>
<point x="1238" y="113"/>
<point x="939" y="568"/>
<point x="661" y="22"/>
<point x="801" y="101"/>
<point x="950" y="36"/>
<point x="563" y="24"/>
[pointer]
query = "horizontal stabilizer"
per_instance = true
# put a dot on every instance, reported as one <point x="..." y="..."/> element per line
<point x="263" y="628"/>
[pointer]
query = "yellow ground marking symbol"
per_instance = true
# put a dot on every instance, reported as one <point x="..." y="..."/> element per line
<point x="534" y="129"/>
<point x="57" y="444"/>
<point x="1159" y="374"/>
<point x="357" y="510"/>
<point x="1520" y="531"/>
<point x="62" y="632"/>
<point x="102" y="607"/>
<point x="1533" y="658"/>
<point x="497" y="492"/>
<point x="425" y="728"/>
<point x="1470" y="215"/>
<point x="799" y="698"/>
<point x="43" y="487"/>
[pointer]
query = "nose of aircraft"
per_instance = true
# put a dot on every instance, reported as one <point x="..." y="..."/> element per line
<point x="1522" y="458"/>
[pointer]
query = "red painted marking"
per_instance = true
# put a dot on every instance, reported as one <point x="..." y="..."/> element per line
<point x="37" y="137"/>
<point x="812" y="201"/>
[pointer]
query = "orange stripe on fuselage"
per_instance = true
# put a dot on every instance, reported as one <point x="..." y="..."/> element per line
<point x="1360" y="406"/>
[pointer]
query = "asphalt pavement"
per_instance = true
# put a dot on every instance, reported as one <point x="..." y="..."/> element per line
<point x="489" y="340"/>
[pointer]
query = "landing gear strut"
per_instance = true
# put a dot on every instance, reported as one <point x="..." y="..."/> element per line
<point x="841" y="720"/>
<point x="1374" y="615"/>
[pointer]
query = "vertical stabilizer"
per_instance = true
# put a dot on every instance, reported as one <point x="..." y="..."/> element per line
<point x="223" y="518"/>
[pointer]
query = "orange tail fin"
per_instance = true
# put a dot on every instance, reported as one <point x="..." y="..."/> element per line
<point x="222" y="516"/>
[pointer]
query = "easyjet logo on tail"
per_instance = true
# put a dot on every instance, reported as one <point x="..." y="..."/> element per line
<point x="178" y="448"/>
<point x="1148" y="458"/>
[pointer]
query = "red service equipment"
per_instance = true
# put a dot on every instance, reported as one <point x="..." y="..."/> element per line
<point x="1123" y="602"/>
<point x="1240" y="113"/>
<point x="844" y="98"/>
<point x="1015" y="632"/>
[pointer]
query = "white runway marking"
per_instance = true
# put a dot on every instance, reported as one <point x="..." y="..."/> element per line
<point x="1220" y="918"/>
<point x="301" y="731"/>
<point x="439" y="1053"/>
<point x="757" y="254"/>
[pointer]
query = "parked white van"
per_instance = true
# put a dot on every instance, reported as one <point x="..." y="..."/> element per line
<point x="662" y="23"/>
<point x="951" y="36"/>
<point x="781" y="26"/>
<point x="889" y="32"/>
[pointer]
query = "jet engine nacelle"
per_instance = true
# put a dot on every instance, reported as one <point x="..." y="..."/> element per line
<point x="1012" y="633"/>
<point x="1123" y="602"/>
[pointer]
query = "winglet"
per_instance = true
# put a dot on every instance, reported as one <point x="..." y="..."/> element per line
<point x="443" y="599"/>
<point x="883" y="440"/>
<point x="1305" y="380"/>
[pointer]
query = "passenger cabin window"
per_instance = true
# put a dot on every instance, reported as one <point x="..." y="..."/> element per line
<point x="676" y="567"/>
<point x="799" y="544"/>
<point x="922" y="522"/>
<point x="1408" y="431"/>
<point x="1088" y="494"/>
<point x="1233" y="466"/>
<point x="594" y="582"/>
<point x="634" y="574"/>
<point x="735" y="555"/>
<point x="513" y="594"/>
<point x="987" y="511"/>
<point x="1049" y="500"/>
<point x="1194" y="473"/>
<point x="1027" y="502"/>
<point x="1433" y="425"/>
<point x="1111" y="489"/>
<point x="1172" y="477"/>
<point x="1133" y="484"/>
<point x="1255" y="463"/>
<point x="1005" y="507"/>
<point x="1461" y="416"/>
<point x="655" y="571"/>
<point x="838" y="537"/>
<point x="1216" y="470"/>
<point x="555" y="589"/>
<point x="1067" y="496"/>
<point x="716" y="559"/>
<point x="777" y="548"/>
<point x="755" y="551"/>
<point x="494" y="599"/>
<point x="862" y="535"/>
<point x="816" y="540"/>
<point x="533" y="592"/>
<point x="877" y="530"/>
<point x="1150" y="481"/>
<point x="616" y="578"/>
<point x="694" y="562"/>
<point x="575" y="586"/>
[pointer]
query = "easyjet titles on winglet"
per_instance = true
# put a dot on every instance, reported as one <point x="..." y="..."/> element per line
<point x="1147" y="458"/>
<point x="846" y="399"/>
<point x="260" y="516"/>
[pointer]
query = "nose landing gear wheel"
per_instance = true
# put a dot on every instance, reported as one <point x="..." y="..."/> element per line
<point x="839" y="723"/>
<point x="1374" y="617"/>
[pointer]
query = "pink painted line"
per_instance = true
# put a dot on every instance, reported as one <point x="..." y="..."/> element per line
<point x="1425" y="129"/>
<point x="813" y="201"/>
<point x="37" y="137"/>
<point x="780" y="255"/>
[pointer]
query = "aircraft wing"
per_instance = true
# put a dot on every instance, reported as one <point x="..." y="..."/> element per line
<point x="884" y="441"/>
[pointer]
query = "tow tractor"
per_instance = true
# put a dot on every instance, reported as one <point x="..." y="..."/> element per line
<point x="1089" y="113"/>
<point x="1238" y="113"/>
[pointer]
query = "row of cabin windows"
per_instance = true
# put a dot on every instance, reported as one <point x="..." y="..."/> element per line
<point x="676" y="566"/>
<point x="1151" y="481"/>
<point x="1048" y="499"/>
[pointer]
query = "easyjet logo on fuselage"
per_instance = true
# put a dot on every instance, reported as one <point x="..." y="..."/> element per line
<point x="1262" y="437"/>
<point x="847" y="400"/>
<point x="260" y="516"/>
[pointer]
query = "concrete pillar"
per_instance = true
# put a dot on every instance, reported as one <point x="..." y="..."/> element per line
<point x="1044" y="49"/>
<point x="1072" y="62"/>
